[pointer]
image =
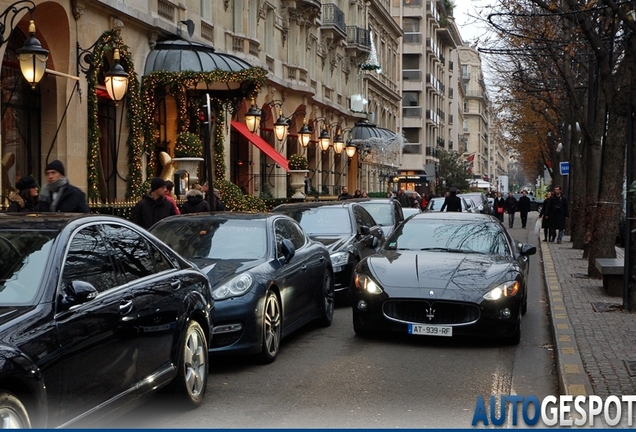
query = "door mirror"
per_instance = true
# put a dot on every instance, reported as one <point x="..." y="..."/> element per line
<point x="288" y="250"/>
<point x="78" y="292"/>
<point x="365" y="230"/>
<point x="528" y="249"/>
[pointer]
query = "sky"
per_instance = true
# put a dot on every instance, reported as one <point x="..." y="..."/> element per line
<point x="469" y="27"/>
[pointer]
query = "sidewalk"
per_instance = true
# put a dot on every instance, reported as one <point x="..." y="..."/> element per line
<point x="595" y="340"/>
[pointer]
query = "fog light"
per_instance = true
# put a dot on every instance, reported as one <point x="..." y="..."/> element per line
<point x="362" y="305"/>
<point x="505" y="312"/>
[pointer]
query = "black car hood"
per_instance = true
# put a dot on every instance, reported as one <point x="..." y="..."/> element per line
<point x="220" y="270"/>
<point x="453" y="276"/>
<point x="11" y="313"/>
<point x="334" y="244"/>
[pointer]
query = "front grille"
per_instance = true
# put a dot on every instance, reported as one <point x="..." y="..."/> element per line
<point x="424" y="312"/>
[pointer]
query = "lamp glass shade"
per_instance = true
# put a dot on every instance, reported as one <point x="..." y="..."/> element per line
<point x="280" y="128"/>
<point x="304" y="134"/>
<point x="324" y="141"/>
<point x="32" y="58"/>
<point x="338" y="144"/>
<point x="350" y="150"/>
<point x="116" y="79"/>
<point x="253" y="119"/>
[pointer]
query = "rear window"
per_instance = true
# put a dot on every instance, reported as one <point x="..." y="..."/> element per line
<point x="326" y="221"/>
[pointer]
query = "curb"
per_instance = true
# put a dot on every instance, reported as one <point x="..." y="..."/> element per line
<point x="573" y="379"/>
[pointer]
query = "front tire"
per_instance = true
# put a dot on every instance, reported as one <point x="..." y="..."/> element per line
<point x="515" y="337"/>
<point x="326" y="318"/>
<point x="13" y="414"/>
<point x="192" y="378"/>
<point x="272" y="329"/>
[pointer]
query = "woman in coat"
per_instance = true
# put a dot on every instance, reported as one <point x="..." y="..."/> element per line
<point x="499" y="207"/>
<point x="542" y="213"/>
<point x="195" y="203"/>
<point x="27" y="198"/>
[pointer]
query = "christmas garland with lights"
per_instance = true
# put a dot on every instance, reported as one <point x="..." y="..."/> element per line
<point x="108" y="41"/>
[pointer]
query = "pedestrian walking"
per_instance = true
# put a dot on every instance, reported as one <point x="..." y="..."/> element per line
<point x="499" y="206"/>
<point x="195" y="202"/>
<point x="544" y="221"/>
<point x="27" y="197"/>
<point x="403" y="198"/>
<point x="153" y="206"/>
<point x="557" y="214"/>
<point x="169" y="197"/>
<point x="452" y="202"/>
<point x="58" y="195"/>
<point x="510" y="205"/>
<point x="218" y="204"/>
<point x="345" y="194"/>
<point x="524" y="207"/>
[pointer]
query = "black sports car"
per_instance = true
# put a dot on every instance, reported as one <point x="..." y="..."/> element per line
<point x="268" y="278"/>
<point x="444" y="274"/>
<point x="94" y="313"/>
<point x="347" y="230"/>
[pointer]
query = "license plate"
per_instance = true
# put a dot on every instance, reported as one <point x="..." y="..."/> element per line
<point x="430" y="330"/>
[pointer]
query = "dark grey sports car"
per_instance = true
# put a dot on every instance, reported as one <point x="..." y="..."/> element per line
<point x="444" y="274"/>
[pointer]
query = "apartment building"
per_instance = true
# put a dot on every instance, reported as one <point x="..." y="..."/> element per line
<point x="431" y="93"/>
<point x="315" y="59"/>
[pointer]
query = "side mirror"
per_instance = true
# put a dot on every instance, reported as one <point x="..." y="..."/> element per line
<point x="78" y="292"/>
<point x="365" y="230"/>
<point x="528" y="249"/>
<point x="288" y="250"/>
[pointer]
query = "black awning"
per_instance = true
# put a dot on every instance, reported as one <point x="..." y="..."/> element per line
<point x="410" y="178"/>
<point x="363" y="130"/>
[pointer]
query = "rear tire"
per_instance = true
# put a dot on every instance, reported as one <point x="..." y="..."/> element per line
<point x="13" y="414"/>
<point x="328" y="295"/>
<point x="192" y="378"/>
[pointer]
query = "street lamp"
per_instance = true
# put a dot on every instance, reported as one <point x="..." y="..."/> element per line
<point x="280" y="127"/>
<point x="304" y="134"/>
<point x="338" y="142"/>
<point x="324" y="140"/>
<point x="116" y="79"/>
<point x="32" y="56"/>
<point x="253" y="118"/>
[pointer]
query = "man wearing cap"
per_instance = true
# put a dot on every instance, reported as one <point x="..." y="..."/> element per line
<point x="153" y="206"/>
<point x="58" y="195"/>
<point x="27" y="198"/>
<point x="452" y="203"/>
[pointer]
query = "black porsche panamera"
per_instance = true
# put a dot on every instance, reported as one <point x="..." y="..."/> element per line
<point x="444" y="275"/>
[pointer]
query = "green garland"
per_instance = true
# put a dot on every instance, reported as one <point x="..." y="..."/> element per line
<point x="106" y="43"/>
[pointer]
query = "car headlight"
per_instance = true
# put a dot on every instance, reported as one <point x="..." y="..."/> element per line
<point x="339" y="258"/>
<point x="367" y="284"/>
<point x="506" y="289"/>
<point x="235" y="287"/>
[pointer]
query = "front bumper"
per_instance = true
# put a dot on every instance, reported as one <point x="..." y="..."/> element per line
<point x="238" y="325"/>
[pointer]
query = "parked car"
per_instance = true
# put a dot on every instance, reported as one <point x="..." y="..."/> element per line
<point x="386" y="213"/>
<point x="444" y="274"/>
<point x="347" y="230"/>
<point x="435" y="205"/>
<point x="536" y="204"/>
<point x="409" y="211"/>
<point x="268" y="278"/>
<point x="96" y="312"/>
<point x="481" y="201"/>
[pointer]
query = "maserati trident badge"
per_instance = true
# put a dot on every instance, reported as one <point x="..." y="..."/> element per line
<point x="430" y="313"/>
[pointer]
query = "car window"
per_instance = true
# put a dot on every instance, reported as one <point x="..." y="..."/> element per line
<point x="23" y="257"/>
<point x="382" y="213"/>
<point x="133" y="253"/>
<point x="363" y="217"/>
<point x="286" y="229"/>
<point x="477" y="237"/>
<point x="89" y="260"/>
<point x="323" y="220"/>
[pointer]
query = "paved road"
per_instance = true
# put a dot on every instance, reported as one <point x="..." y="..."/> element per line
<point x="329" y="378"/>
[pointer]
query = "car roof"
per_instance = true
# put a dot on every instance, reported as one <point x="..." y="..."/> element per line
<point x="468" y="217"/>
<point x="194" y="217"/>
<point x="316" y="204"/>
<point x="49" y="221"/>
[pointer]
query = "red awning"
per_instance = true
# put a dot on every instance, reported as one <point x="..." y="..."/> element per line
<point x="261" y="144"/>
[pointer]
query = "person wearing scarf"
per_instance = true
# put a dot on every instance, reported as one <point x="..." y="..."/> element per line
<point x="58" y="195"/>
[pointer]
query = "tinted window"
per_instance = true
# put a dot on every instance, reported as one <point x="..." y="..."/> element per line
<point x="382" y="213"/>
<point x="363" y="217"/>
<point x="89" y="260"/>
<point x="286" y="229"/>
<point x="23" y="257"/>
<point x="215" y="238"/>
<point x="418" y="234"/>
<point x="323" y="220"/>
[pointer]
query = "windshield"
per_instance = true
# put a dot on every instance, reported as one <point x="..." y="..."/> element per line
<point x="382" y="213"/>
<point x="215" y="238"/>
<point x="23" y="256"/>
<point x="450" y="236"/>
<point x="326" y="221"/>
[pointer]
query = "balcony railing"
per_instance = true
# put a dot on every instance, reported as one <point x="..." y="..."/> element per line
<point x="412" y="2"/>
<point x="412" y="38"/>
<point x="412" y="148"/>
<point x="360" y="36"/>
<point x="166" y="9"/>
<point x="411" y="75"/>
<point x="332" y="15"/>
<point x="411" y="112"/>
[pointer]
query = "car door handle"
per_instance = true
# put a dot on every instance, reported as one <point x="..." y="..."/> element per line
<point x="303" y="267"/>
<point x="175" y="284"/>
<point x="125" y="306"/>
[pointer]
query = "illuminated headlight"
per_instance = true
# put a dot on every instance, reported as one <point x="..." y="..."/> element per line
<point x="340" y="259"/>
<point x="234" y="288"/>
<point x="507" y="289"/>
<point x="367" y="284"/>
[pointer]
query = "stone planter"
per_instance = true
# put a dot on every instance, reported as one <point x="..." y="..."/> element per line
<point x="297" y="181"/>
<point x="191" y="165"/>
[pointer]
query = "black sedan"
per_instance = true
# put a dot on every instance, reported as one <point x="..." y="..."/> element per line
<point x="94" y="313"/>
<point x="387" y="213"/>
<point x="444" y="274"/>
<point x="346" y="229"/>
<point x="268" y="278"/>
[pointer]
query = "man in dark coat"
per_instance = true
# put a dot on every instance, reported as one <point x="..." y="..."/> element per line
<point x="153" y="206"/>
<point x="58" y="195"/>
<point x="557" y="212"/>
<point x="452" y="202"/>
<point x="511" y="207"/>
<point x="195" y="202"/>
<point x="345" y="194"/>
<point x="524" y="207"/>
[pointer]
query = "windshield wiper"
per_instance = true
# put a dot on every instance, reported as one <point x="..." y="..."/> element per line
<point x="441" y="249"/>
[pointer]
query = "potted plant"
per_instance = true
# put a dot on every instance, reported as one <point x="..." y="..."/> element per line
<point x="297" y="169"/>
<point x="188" y="152"/>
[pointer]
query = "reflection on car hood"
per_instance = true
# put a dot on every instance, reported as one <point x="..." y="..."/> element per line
<point x="334" y="244"/>
<point x="448" y="275"/>
<point x="11" y="313"/>
<point x="220" y="270"/>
